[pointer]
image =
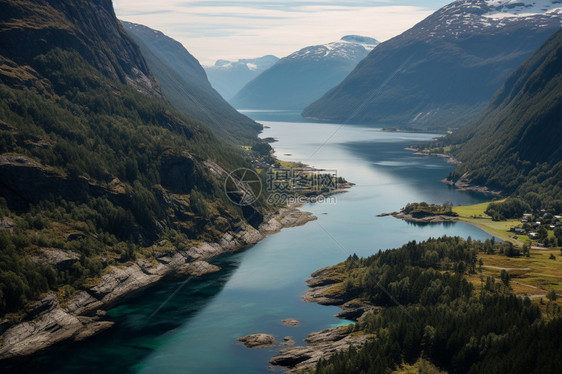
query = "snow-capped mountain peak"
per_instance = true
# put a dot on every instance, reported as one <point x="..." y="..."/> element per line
<point x="519" y="8"/>
<point x="464" y="17"/>
<point x="365" y="41"/>
<point x="260" y="63"/>
<point x="350" y="47"/>
<point x="228" y="77"/>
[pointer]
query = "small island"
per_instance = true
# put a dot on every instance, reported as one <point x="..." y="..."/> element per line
<point x="425" y="213"/>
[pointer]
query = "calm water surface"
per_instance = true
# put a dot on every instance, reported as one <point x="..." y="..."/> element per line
<point x="194" y="331"/>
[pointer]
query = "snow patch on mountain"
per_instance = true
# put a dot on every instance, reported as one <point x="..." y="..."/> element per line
<point x="253" y="64"/>
<point x="464" y="17"/>
<point x="518" y="8"/>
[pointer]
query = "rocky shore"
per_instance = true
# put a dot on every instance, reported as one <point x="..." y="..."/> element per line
<point x="447" y="157"/>
<point x="465" y="184"/>
<point x="320" y="345"/>
<point x="326" y="343"/>
<point x="49" y="322"/>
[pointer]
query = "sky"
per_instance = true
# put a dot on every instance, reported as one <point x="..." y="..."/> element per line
<point x="223" y="29"/>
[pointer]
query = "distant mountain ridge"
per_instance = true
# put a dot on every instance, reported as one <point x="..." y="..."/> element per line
<point x="514" y="146"/>
<point x="303" y="76"/>
<point x="228" y="77"/>
<point x="185" y="84"/>
<point x="441" y="72"/>
<point x="348" y="49"/>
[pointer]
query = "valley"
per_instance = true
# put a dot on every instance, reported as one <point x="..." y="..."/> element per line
<point x="161" y="216"/>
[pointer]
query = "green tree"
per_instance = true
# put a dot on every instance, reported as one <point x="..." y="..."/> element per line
<point x="505" y="277"/>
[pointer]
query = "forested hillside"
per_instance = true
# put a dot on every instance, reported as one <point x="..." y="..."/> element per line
<point x="514" y="146"/>
<point x="95" y="165"/>
<point x="435" y="320"/>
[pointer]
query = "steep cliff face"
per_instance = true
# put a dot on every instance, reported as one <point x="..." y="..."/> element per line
<point x="185" y="85"/>
<point x="32" y="28"/>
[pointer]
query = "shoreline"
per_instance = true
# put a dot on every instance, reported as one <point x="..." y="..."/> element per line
<point x="49" y="323"/>
<point x="489" y="231"/>
<point x="325" y="343"/>
<point x="450" y="159"/>
<point x="442" y="218"/>
<point x="463" y="183"/>
<point x="429" y="219"/>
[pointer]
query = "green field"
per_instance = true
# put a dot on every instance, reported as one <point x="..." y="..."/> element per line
<point x="497" y="228"/>
<point x="476" y="210"/>
<point x="474" y="214"/>
<point x="532" y="276"/>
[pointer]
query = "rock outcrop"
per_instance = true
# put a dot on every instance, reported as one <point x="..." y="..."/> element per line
<point x="258" y="341"/>
<point x="51" y="323"/>
<point x="320" y="345"/>
<point x="90" y="28"/>
<point x="197" y="269"/>
<point x="290" y="322"/>
<point x="24" y="181"/>
<point x="353" y="310"/>
<point x="57" y="258"/>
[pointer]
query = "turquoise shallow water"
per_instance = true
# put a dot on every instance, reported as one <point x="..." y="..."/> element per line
<point x="195" y="331"/>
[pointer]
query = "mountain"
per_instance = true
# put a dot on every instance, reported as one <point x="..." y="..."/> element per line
<point x="228" y="77"/>
<point x="514" y="146"/>
<point x="98" y="173"/>
<point x="442" y="72"/>
<point x="302" y="77"/>
<point x="30" y="30"/>
<point x="185" y="84"/>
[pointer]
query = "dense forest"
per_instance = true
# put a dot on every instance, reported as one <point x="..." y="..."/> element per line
<point x="436" y="320"/>
<point x="514" y="146"/>
<point x="510" y="208"/>
<point x="423" y="209"/>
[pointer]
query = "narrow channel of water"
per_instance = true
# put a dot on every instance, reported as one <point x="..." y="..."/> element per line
<point x="196" y="331"/>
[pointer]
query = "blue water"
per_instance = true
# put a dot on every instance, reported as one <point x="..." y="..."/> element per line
<point x="195" y="331"/>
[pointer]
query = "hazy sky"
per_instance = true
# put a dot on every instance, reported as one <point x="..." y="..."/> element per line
<point x="214" y="29"/>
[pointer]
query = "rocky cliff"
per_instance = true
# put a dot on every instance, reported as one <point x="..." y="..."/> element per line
<point x="32" y="28"/>
<point x="48" y="322"/>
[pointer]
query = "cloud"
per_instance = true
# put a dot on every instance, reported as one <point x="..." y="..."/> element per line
<point x="211" y="29"/>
